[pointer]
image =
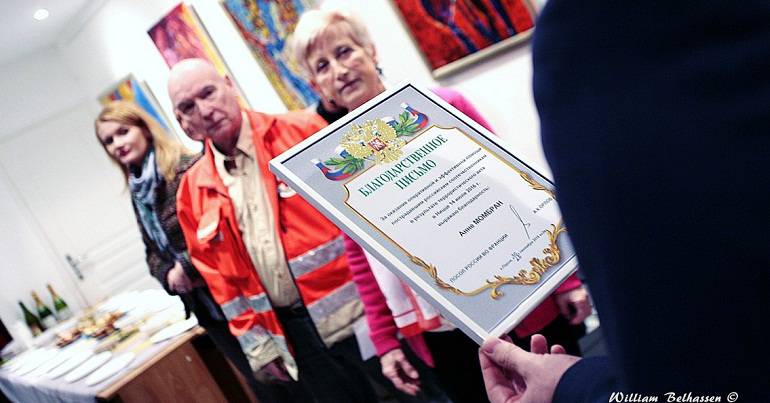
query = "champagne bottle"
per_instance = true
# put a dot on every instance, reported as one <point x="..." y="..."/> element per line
<point x="63" y="311"/>
<point x="32" y="321"/>
<point x="44" y="313"/>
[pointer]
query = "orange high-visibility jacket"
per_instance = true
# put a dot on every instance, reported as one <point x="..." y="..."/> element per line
<point x="313" y="245"/>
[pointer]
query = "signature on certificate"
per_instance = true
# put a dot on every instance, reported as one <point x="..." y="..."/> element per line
<point x="523" y="224"/>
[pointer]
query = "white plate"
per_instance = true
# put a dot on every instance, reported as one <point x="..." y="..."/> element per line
<point x="157" y="302"/>
<point x="52" y="359"/>
<point x="78" y="358"/>
<point x="174" y="330"/>
<point x="17" y="362"/>
<point x="64" y="355"/>
<point x="161" y="320"/>
<point x="115" y="365"/>
<point x="89" y="366"/>
<point x="35" y="360"/>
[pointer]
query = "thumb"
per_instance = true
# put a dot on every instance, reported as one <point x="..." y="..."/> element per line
<point x="507" y="355"/>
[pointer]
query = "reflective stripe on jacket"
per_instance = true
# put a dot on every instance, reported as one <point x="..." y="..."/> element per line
<point x="313" y="246"/>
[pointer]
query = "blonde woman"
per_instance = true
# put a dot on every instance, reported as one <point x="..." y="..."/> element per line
<point x="338" y="56"/>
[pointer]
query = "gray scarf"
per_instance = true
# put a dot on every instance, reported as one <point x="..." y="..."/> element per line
<point x="143" y="189"/>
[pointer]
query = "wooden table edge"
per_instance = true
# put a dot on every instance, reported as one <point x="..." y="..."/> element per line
<point x="110" y="391"/>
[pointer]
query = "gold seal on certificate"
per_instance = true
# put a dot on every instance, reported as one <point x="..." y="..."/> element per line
<point x="453" y="188"/>
<point x="442" y="203"/>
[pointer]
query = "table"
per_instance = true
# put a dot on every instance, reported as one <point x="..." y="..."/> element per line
<point x="186" y="368"/>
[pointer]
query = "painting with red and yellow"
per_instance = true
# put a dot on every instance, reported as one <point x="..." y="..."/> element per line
<point x="455" y="33"/>
<point x="180" y="35"/>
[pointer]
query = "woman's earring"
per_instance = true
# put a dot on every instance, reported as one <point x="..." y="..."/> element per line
<point x="379" y="70"/>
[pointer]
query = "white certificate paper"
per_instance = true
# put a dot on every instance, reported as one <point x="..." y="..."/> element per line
<point x="441" y="203"/>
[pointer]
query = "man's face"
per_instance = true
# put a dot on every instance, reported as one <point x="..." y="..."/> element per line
<point x="206" y="104"/>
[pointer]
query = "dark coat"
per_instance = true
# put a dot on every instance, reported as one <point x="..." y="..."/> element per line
<point x="198" y="300"/>
<point x="655" y="119"/>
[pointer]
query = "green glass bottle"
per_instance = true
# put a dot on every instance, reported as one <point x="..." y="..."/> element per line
<point x="32" y="321"/>
<point x="43" y="312"/>
<point x="63" y="311"/>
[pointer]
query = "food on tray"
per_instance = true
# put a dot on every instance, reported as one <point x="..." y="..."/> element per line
<point x="68" y="336"/>
<point x="98" y="326"/>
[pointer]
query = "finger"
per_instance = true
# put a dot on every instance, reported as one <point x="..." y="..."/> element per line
<point x="173" y="286"/>
<point x="392" y="374"/>
<point x="538" y="344"/>
<point x="507" y="338"/>
<point x="558" y="349"/>
<point x="411" y="385"/>
<point x="499" y="387"/>
<point x="582" y="310"/>
<point x="508" y="356"/>
<point x="408" y="369"/>
<point x="410" y="388"/>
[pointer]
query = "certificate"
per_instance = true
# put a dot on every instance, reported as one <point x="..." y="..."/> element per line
<point x="442" y="203"/>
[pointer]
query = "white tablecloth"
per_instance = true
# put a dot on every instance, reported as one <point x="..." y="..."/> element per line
<point x="29" y="389"/>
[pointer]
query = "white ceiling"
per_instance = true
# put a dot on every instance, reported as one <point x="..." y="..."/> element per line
<point x="21" y="35"/>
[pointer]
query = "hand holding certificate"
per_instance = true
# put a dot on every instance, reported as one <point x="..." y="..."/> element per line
<point x="437" y="199"/>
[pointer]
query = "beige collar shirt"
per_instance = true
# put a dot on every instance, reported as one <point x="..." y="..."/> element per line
<point x="241" y="175"/>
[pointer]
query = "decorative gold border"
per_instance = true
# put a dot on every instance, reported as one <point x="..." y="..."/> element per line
<point x="538" y="266"/>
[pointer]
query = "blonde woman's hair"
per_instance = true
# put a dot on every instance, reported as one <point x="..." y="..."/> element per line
<point x="313" y="24"/>
<point x="167" y="150"/>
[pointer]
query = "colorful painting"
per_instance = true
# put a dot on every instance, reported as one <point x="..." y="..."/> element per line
<point x="180" y="35"/>
<point x="131" y="89"/>
<point x="264" y="25"/>
<point x="454" y="33"/>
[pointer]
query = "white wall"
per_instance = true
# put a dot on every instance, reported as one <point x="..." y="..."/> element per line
<point x="36" y="88"/>
<point x="114" y="43"/>
<point x="27" y="262"/>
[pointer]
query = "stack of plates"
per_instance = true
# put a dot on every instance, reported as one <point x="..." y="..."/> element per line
<point x="78" y="358"/>
<point x="33" y="361"/>
<point x="89" y="366"/>
<point x="115" y="365"/>
<point x="17" y="362"/>
<point x="52" y="360"/>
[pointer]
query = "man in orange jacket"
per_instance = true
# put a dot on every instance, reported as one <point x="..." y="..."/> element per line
<point x="274" y="264"/>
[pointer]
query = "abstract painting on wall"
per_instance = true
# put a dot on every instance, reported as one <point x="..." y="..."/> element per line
<point x="265" y="25"/>
<point x="180" y="35"/>
<point x="452" y="34"/>
<point x="131" y="89"/>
